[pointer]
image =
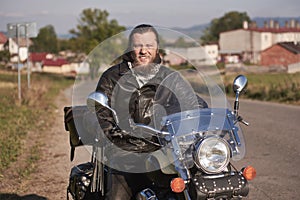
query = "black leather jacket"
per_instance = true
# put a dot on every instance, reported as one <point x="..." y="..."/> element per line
<point x="167" y="92"/>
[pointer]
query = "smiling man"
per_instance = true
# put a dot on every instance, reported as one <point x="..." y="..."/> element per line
<point x="144" y="52"/>
<point x="142" y="89"/>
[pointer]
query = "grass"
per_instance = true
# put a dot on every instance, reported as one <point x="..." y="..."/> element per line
<point x="283" y="88"/>
<point x="33" y="113"/>
<point x="275" y="87"/>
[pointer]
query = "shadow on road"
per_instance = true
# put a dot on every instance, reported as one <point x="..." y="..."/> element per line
<point x="17" y="197"/>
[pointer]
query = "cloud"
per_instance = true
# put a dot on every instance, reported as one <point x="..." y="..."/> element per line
<point x="12" y="14"/>
<point x="43" y="12"/>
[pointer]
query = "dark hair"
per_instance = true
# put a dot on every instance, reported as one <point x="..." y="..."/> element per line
<point x="142" y="28"/>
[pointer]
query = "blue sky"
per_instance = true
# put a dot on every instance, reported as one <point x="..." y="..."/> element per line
<point x="64" y="14"/>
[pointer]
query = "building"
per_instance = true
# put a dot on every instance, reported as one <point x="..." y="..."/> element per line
<point x="212" y="51"/>
<point x="36" y="60"/>
<point x="18" y="47"/>
<point x="246" y="44"/>
<point x="3" y="41"/>
<point x="198" y="56"/>
<point x="281" y="54"/>
<point x="56" y="65"/>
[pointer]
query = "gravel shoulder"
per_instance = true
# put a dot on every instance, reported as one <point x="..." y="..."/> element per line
<point x="50" y="177"/>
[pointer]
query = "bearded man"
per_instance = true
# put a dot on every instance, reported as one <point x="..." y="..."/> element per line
<point x="141" y="89"/>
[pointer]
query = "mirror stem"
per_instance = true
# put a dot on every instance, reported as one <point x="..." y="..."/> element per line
<point x="236" y="104"/>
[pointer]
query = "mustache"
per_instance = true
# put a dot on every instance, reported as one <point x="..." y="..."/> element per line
<point x="146" y="70"/>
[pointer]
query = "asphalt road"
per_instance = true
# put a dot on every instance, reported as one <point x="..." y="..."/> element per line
<point x="273" y="148"/>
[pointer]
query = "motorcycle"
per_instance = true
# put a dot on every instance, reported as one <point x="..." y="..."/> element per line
<point x="195" y="157"/>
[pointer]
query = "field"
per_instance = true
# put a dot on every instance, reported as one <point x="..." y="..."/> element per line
<point x="32" y="113"/>
<point x="282" y="88"/>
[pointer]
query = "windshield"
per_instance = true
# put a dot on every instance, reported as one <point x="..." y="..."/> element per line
<point x="188" y="126"/>
<point x="193" y="62"/>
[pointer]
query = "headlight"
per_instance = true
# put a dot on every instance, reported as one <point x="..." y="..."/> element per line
<point x="212" y="155"/>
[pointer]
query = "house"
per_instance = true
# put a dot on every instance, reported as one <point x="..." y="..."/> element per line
<point x="281" y="54"/>
<point x="212" y="51"/>
<point x="46" y="62"/>
<point x="36" y="60"/>
<point x="204" y="55"/>
<point x="56" y="65"/>
<point x="246" y="44"/>
<point x="18" y="47"/>
<point x="3" y="41"/>
<point x="175" y="56"/>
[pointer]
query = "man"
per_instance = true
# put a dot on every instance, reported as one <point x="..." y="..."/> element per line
<point x="141" y="89"/>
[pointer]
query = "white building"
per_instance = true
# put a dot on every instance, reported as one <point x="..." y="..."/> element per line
<point x="246" y="44"/>
<point x="19" y="47"/>
<point x="203" y="55"/>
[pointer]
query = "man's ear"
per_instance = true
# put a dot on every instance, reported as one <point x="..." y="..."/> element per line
<point x="157" y="58"/>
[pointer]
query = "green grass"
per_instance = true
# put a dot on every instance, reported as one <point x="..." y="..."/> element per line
<point x="33" y="113"/>
<point x="275" y="87"/>
<point x="283" y="88"/>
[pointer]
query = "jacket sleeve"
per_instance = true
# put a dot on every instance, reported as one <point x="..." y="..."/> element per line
<point x="104" y="115"/>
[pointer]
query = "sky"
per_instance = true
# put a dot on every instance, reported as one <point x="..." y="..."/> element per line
<point x="64" y="14"/>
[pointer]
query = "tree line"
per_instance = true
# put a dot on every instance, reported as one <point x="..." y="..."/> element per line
<point x="94" y="27"/>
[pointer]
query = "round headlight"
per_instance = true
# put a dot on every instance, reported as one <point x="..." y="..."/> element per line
<point x="212" y="155"/>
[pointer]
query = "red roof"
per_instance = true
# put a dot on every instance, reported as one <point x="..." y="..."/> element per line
<point x="38" y="57"/>
<point x="55" y="62"/>
<point x="3" y="38"/>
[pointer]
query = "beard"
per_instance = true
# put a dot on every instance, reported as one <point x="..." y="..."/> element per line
<point x="145" y="73"/>
<point x="149" y="70"/>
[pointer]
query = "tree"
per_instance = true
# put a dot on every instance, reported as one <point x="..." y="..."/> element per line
<point x="4" y="56"/>
<point x="93" y="28"/>
<point x="230" y="21"/>
<point x="46" y="40"/>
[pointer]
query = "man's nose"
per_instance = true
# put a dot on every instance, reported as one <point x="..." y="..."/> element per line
<point x="143" y="49"/>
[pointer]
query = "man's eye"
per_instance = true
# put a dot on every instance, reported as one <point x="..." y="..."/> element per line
<point x="149" y="46"/>
<point x="138" y="46"/>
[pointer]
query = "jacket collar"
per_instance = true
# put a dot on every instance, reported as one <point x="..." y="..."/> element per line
<point x="123" y="68"/>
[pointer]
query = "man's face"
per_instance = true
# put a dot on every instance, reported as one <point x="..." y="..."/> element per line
<point x="144" y="48"/>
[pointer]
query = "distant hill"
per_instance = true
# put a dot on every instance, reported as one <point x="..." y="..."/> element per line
<point x="195" y="32"/>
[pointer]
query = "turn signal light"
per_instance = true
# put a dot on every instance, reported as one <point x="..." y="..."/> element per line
<point x="249" y="173"/>
<point x="177" y="185"/>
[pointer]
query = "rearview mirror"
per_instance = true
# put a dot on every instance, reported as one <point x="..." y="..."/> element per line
<point x="240" y="83"/>
<point x="98" y="99"/>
